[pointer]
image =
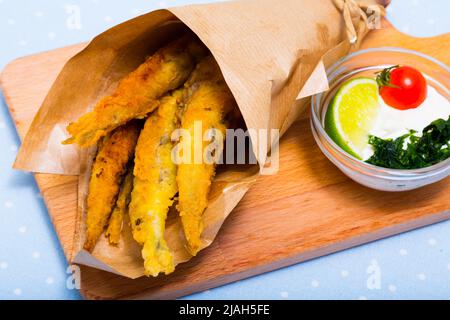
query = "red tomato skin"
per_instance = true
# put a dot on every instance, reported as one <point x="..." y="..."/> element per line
<point x="410" y="89"/>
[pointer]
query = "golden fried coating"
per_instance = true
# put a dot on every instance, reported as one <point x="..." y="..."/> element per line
<point x="155" y="186"/>
<point x="206" y="69"/>
<point x="206" y="107"/>
<point x="137" y="94"/>
<point x="120" y="210"/>
<point x="107" y="172"/>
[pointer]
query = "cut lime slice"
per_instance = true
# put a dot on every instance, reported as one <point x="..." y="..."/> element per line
<point x="352" y="114"/>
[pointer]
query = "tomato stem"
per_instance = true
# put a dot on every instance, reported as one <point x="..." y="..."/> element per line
<point x="384" y="77"/>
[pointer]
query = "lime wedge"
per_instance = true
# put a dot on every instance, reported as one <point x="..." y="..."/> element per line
<point x="352" y="114"/>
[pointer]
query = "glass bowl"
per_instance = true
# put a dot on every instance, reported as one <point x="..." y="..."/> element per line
<point x="366" y="63"/>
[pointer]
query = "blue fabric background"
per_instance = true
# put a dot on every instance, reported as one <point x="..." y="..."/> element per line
<point x="415" y="265"/>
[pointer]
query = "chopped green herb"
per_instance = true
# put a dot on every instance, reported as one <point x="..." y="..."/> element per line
<point x="412" y="151"/>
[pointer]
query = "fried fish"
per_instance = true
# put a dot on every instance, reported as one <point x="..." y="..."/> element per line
<point x="116" y="151"/>
<point x="207" y="103"/>
<point x="120" y="210"/>
<point x="206" y="69"/>
<point x="137" y="94"/>
<point x="155" y="186"/>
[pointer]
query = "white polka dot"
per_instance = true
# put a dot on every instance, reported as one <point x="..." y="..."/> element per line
<point x="17" y="291"/>
<point x="36" y="254"/>
<point x="315" y="283"/>
<point x="3" y="265"/>
<point x="284" y="294"/>
<point x="362" y="298"/>
<point x="13" y="148"/>
<point x="51" y="35"/>
<point x="403" y="252"/>
<point x="9" y="204"/>
<point x="448" y="266"/>
<point x="23" y="43"/>
<point x="162" y="4"/>
<point x="2" y="125"/>
<point x="38" y="14"/>
<point x="135" y="11"/>
<point x="207" y="291"/>
<point x="108" y="19"/>
<point x="432" y="242"/>
<point x="23" y="229"/>
<point x="392" y="288"/>
<point x="49" y="280"/>
<point x="431" y="21"/>
<point x="11" y="21"/>
<point x="416" y="3"/>
<point x="422" y="276"/>
<point x="344" y="273"/>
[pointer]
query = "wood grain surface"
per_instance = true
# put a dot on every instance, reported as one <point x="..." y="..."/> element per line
<point x="308" y="210"/>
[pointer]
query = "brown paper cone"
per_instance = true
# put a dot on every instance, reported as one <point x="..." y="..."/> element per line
<point x="273" y="56"/>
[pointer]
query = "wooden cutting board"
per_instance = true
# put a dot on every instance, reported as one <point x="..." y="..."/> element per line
<point x="308" y="210"/>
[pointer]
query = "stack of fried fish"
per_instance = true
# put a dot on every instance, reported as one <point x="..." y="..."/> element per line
<point x="134" y="173"/>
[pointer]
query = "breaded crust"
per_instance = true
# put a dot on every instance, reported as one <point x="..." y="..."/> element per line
<point x="108" y="170"/>
<point x="155" y="186"/>
<point x="138" y="93"/>
<point x="207" y="103"/>
<point x="115" y="225"/>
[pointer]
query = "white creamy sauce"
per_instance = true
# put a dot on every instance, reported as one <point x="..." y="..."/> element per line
<point x="393" y="123"/>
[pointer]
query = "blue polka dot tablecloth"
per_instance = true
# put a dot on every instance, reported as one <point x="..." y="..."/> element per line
<point x="415" y="265"/>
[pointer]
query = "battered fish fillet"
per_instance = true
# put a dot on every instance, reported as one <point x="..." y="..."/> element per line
<point x="137" y="94"/>
<point x="208" y="103"/>
<point x="206" y="69"/>
<point x="107" y="172"/>
<point x="155" y="186"/>
<point x="120" y="210"/>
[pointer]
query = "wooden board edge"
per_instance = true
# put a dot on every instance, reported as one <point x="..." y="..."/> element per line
<point x="75" y="49"/>
<point x="20" y="60"/>
<point x="280" y="264"/>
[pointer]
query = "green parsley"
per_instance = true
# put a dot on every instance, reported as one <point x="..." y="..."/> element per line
<point x="413" y="151"/>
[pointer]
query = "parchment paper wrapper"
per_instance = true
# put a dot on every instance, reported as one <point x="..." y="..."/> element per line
<point x="273" y="55"/>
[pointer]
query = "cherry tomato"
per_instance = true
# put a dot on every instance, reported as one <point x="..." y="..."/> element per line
<point x="402" y="87"/>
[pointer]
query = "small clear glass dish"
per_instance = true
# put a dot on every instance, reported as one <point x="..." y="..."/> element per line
<point x="366" y="63"/>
